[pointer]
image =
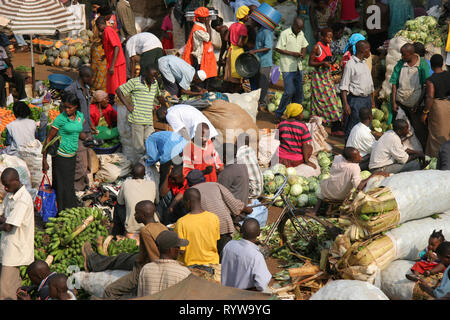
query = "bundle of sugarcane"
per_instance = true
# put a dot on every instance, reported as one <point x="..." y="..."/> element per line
<point x="372" y="212"/>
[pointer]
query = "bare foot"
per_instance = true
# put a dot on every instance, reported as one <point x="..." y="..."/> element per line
<point x="412" y="277"/>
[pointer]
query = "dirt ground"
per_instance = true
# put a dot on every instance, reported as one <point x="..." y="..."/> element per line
<point x="264" y="120"/>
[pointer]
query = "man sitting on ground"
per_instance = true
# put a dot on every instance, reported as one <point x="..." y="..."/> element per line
<point x="133" y="191"/>
<point x="148" y="252"/>
<point x="39" y="274"/>
<point x="390" y="155"/>
<point x="361" y="137"/>
<point x="243" y="265"/>
<point x="57" y="286"/>
<point x="218" y="199"/>
<point x="201" y="228"/>
<point x="235" y="175"/>
<point x="166" y="271"/>
<point x="345" y="175"/>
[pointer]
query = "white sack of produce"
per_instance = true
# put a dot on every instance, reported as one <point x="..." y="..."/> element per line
<point x="267" y="146"/>
<point x="112" y="166"/>
<point x="421" y="193"/>
<point x="247" y="101"/>
<point x="31" y="154"/>
<point x="96" y="282"/>
<point x="394" y="283"/>
<point x="319" y="135"/>
<point x="7" y="161"/>
<point x="141" y="23"/>
<point x="349" y="290"/>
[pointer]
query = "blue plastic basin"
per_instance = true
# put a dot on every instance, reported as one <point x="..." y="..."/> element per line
<point x="59" y="81"/>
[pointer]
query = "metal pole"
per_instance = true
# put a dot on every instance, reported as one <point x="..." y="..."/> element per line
<point x="32" y="66"/>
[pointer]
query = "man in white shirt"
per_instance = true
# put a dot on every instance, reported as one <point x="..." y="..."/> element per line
<point x="145" y="45"/>
<point x="356" y="86"/>
<point x="361" y="137"/>
<point x="133" y="191"/>
<point x="243" y="265"/>
<point x="17" y="239"/>
<point x="184" y="119"/>
<point x="390" y="155"/>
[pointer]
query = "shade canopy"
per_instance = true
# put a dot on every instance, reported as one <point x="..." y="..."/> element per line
<point x="39" y="17"/>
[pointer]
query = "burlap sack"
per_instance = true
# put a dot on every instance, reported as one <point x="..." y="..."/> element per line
<point x="230" y="120"/>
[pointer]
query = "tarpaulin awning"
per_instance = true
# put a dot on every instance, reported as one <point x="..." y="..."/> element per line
<point x="39" y="17"/>
<point x="196" y="288"/>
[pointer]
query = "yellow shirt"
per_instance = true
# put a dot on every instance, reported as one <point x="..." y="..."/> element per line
<point x="202" y="230"/>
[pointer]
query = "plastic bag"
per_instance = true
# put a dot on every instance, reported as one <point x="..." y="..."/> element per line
<point x="7" y="161"/>
<point x="349" y="290"/>
<point x="247" y="101"/>
<point x="95" y="283"/>
<point x="421" y="193"/>
<point x="259" y="213"/>
<point x="32" y="155"/>
<point x="106" y="133"/>
<point x="394" y="283"/>
<point x="45" y="202"/>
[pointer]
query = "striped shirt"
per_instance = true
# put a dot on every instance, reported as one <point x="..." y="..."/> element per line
<point x="143" y="99"/>
<point x="293" y="135"/>
<point x="246" y="155"/>
<point x="160" y="275"/>
<point x="218" y="199"/>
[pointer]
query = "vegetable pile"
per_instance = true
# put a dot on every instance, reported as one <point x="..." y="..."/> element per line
<point x="65" y="235"/>
<point x="380" y="118"/>
<point x="424" y="29"/>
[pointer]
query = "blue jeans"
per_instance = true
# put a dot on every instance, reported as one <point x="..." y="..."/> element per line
<point x="293" y="90"/>
<point x="20" y="40"/>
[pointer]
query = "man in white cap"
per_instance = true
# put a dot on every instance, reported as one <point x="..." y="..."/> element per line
<point x="179" y="77"/>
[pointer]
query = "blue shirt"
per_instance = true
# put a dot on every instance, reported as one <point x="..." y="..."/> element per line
<point x="264" y="39"/>
<point x="163" y="146"/>
<point x="176" y="70"/>
<point x="444" y="287"/>
<point x="243" y="266"/>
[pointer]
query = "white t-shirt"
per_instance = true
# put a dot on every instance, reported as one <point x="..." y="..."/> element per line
<point x="388" y="150"/>
<point x="142" y="42"/>
<point x="17" y="245"/>
<point x="22" y="131"/>
<point x="361" y="138"/>
<point x="184" y="116"/>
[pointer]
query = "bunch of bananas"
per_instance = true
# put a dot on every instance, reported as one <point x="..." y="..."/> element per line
<point x="121" y="246"/>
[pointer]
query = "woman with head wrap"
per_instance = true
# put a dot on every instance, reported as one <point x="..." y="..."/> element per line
<point x="295" y="138"/>
<point x="199" y="51"/>
<point x="102" y="113"/>
<point x="238" y="34"/>
<point x="350" y="48"/>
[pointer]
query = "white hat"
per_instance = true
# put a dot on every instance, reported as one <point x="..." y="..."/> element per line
<point x="201" y="75"/>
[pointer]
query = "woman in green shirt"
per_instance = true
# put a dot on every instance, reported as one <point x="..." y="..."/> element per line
<point x="69" y="126"/>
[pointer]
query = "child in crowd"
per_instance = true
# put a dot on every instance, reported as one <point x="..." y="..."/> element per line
<point x="443" y="290"/>
<point x="58" y="288"/>
<point x="429" y="263"/>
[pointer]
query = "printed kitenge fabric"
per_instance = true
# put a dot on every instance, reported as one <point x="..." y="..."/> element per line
<point x="325" y="102"/>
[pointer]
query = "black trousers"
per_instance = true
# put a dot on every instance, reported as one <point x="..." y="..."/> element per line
<point x="98" y="263"/>
<point x="63" y="172"/>
<point x="19" y="82"/>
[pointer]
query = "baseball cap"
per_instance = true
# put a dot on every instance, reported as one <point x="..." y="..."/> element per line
<point x="169" y="239"/>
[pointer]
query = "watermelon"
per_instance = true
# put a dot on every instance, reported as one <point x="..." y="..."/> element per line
<point x="55" y="53"/>
<point x="65" y="63"/>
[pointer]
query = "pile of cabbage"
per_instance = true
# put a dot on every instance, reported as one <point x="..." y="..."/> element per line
<point x="276" y="99"/>
<point x="301" y="191"/>
<point x="423" y="29"/>
<point x="380" y="118"/>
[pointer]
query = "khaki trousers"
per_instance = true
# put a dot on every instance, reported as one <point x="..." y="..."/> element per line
<point x="10" y="281"/>
<point x="139" y="134"/>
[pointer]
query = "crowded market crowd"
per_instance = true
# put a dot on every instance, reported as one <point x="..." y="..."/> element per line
<point x="187" y="218"/>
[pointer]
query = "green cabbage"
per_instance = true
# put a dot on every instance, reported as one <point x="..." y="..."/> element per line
<point x="270" y="187"/>
<point x="268" y="175"/>
<point x="302" y="200"/>
<point x="272" y="107"/>
<point x="325" y="162"/>
<point x="376" y="123"/>
<point x="291" y="171"/>
<point x="279" y="202"/>
<point x="324" y="176"/>
<point x="279" y="168"/>
<point x="378" y="114"/>
<point x="296" y="190"/>
<point x="279" y="180"/>
<point x="313" y="185"/>
<point x="312" y="199"/>
<point x="287" y="189"/>
<point x="365" y="174"/>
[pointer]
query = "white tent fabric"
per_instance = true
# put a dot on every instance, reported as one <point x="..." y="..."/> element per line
<point x="39" y="17"/>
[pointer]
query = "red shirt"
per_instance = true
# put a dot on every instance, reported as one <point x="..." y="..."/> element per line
<point x="110" y="41"/>
<point x="325" y="52"/>
<point x="293" y="135"/>
<point x="109" y="113"/>
<point x="177" y="189"/>
<point x="195" y="157"/>
<point x="237" y="30"/>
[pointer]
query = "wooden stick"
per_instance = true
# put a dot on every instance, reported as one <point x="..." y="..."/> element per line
<point x="306" y="270"/>
<point x="317" y="275"/>
<point x="284" y="289"/>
